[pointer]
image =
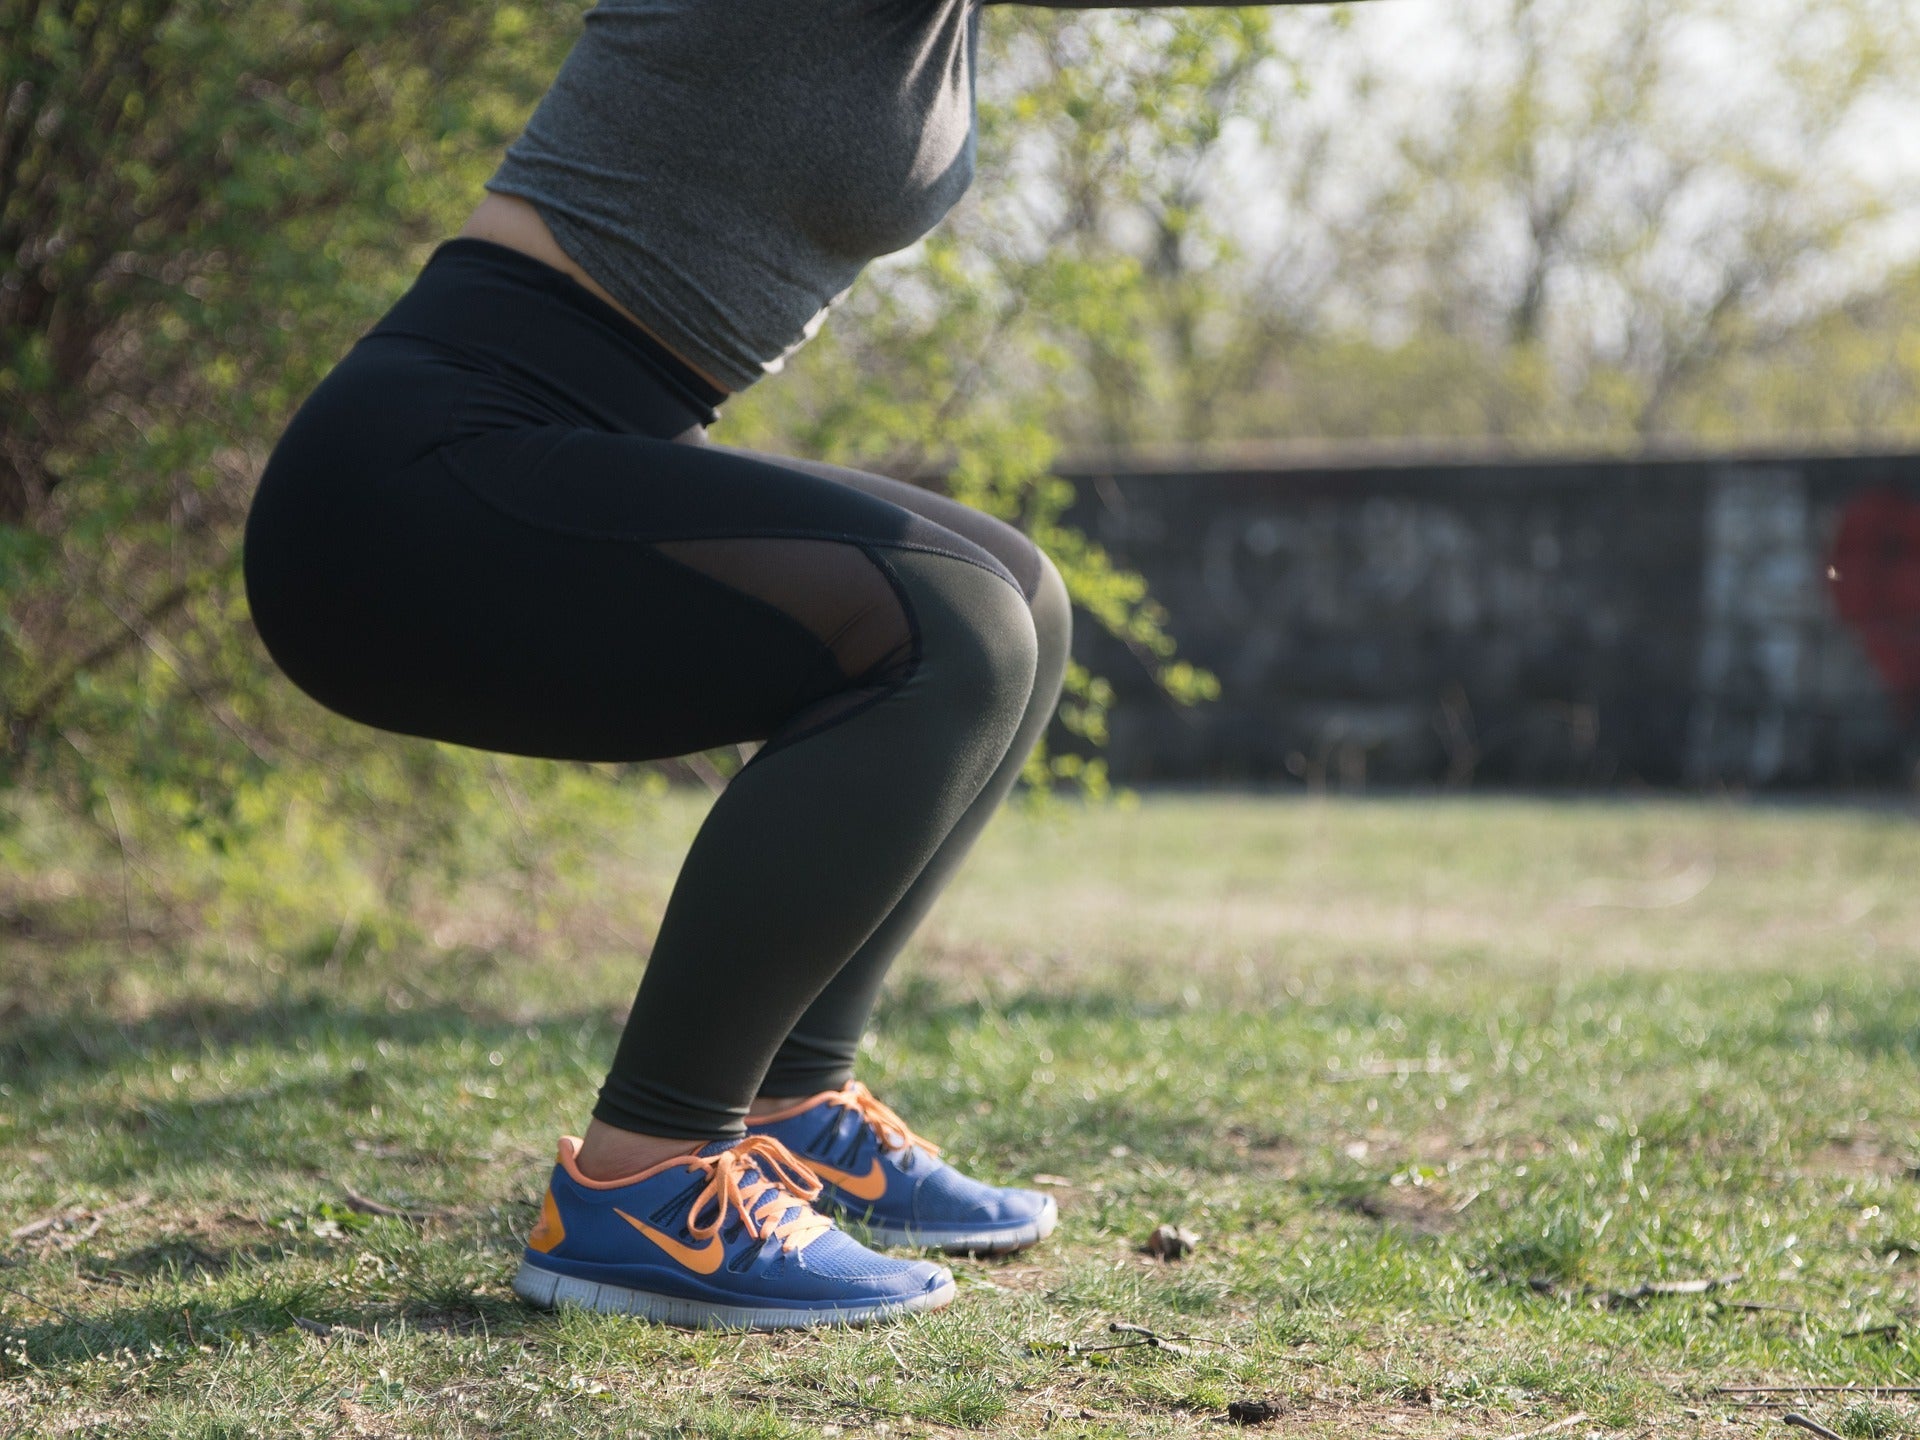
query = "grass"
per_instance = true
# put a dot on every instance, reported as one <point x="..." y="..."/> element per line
<point x="1442" y="1087"/>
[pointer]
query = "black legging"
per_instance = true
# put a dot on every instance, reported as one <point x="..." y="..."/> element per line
<point x="498" y="522"/>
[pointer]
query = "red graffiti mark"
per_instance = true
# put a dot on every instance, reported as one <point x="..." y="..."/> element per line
<point x="1874" y="572"/>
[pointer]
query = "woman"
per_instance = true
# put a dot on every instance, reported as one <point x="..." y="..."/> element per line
<point x="498" y="522"/>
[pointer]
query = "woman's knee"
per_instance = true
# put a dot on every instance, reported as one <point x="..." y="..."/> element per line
<point x="1001" y="650"/>
<point x="978" y="644"/>
<point x="1052" y="614"/>
<point x="1043" y="587"/>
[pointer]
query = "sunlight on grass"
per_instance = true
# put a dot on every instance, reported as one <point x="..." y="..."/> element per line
<point x="1463" y="1099"/>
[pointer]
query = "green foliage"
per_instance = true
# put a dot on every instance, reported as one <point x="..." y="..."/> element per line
<point x="173" y="279"/>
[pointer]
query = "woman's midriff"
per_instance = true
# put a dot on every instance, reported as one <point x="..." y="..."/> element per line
<point x="508" y="220"/>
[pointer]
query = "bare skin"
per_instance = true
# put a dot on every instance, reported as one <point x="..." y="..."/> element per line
<point x="606" y="1152"/>
<point x="508" y="220"/>
<point x="610" y="1153"/>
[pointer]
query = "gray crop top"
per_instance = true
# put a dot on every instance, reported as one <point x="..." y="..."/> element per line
<point x="725" y="168"/>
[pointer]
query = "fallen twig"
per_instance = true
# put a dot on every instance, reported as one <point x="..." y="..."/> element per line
<point x="1141" y="1339"/>
<point x="1661" y="1289"/>
<point x="1801" y="1422"/>
<point x="46" y="1305"/>
<point x="366" y="1205"/>
<point x="73" y="1215"/>
<point x="1637" y="1294"/>
<point x="1816" y="1390"/>
<point x="1890" y="1331"/>
<point x="1147" y="1337"/>
<point x="1387" y="1070"/>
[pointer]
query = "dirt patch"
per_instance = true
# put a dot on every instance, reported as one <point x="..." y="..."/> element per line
<point x="93" y="1422"/>
<point x="1295" y="1415"/>
<point x="1017" y="1278"/>
<point x="1861" y="1156"/>
<point x="363" y="1423"/>
<point x="180" y="1254"/>
<point x="1275" y="1155"/>
<point x="1423" y="1209"/>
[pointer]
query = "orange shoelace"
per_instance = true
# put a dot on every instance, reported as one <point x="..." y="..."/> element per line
<point x="774" y="1182"/>
<point x="894" y="1132"/>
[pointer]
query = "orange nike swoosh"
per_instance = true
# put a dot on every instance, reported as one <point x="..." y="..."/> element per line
<point x="870" y="1186"/>
<point x="702" y="1262"/>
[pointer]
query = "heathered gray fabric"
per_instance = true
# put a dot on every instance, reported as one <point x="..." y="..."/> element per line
<point x="725" y="168"/>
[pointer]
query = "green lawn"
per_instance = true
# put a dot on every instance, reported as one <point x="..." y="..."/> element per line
<point x="1440" y="1085"/>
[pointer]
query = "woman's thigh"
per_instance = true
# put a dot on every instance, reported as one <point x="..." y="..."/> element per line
<point x="581" y="594"/>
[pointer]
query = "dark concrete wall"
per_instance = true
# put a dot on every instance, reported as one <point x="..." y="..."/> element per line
<point x="1752" y="622"/>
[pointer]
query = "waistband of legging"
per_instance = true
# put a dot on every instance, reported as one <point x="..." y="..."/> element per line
<point x="524" y="315"/>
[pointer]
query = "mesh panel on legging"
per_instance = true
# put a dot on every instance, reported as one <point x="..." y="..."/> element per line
<point x="838" y="592"/>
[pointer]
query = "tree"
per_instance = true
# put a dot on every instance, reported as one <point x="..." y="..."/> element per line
<point x="1578" y="220"/>
<point x="199" y="201"/>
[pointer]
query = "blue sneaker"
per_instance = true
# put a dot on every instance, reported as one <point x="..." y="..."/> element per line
<point x="722" y="1237"/>
<point x="873" y="1169"/>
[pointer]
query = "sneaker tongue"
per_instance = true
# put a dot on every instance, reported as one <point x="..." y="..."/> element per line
<point x="716" y="1147"/>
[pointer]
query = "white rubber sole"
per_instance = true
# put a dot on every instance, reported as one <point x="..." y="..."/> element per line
<point x="549" y="1290"/>
<point x="964" y="1242"/>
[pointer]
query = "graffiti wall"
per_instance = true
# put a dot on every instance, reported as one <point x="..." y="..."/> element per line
<point x="1689" y="622"/>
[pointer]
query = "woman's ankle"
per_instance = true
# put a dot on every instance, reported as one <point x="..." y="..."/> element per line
<point x="610" y="1153"/>
<point x="771" y="1105"/>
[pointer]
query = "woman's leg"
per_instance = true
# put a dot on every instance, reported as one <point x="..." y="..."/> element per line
<point x="819" y="1051"/>
<point x="590" y="595"/>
